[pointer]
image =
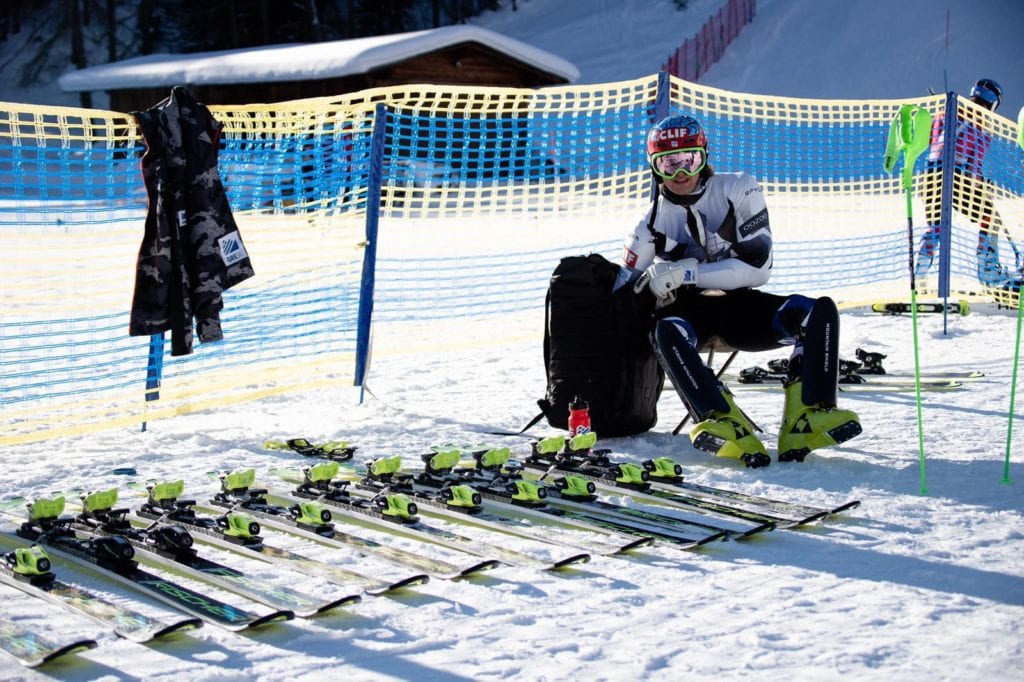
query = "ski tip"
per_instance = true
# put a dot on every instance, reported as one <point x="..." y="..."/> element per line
<point x="476" y="569"/>
<point x="639" y="543"/>
<point x="852" y="504"/>
<point x="272" y="617"/>
<point x="765" y="527"/>
<point x="180" y="626"/>
<point x="404" y="584"/>
<point x="68" y="649"/>
<point x="338" y="603"/>
<point x="716" y="537"/>
<point x="813" y="518"/>
<point x="568" y="562"/>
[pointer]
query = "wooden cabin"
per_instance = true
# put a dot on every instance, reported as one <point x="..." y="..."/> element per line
<point x="451" y="55"/>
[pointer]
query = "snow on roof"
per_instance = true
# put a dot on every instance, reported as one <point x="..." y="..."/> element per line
<point x="301" y="62"/>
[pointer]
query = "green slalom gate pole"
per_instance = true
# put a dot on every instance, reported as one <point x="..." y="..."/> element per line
<point x="909" y="135"/>
<point x="1016" y="349"/>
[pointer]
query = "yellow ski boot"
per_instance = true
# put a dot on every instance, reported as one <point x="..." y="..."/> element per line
<point x="809" y="427"/>
<point x="731" y="435"/>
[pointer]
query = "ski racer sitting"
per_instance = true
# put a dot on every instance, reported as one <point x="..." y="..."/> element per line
<point x="702" y="248"/>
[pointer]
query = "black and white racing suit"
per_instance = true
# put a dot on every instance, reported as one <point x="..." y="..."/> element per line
<point x="724" y="226"/>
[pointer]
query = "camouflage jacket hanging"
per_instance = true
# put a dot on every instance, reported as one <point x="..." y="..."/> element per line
<point x="191" y="251"/>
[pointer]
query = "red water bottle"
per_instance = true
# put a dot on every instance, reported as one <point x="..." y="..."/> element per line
<point x="579" y="416"/>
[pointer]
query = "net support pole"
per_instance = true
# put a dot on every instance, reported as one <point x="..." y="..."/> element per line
<point x="154" y="369"/>
<point x="946" y="201"/>
<point x="366" y="286"/>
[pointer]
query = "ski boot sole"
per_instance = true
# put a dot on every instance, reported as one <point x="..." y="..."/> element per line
<point x="756" y="460"/>
<point x="796" y="455"/>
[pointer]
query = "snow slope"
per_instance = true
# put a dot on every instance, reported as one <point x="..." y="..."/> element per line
<point x="909" y="586"/>
<point x="832" y="49"/>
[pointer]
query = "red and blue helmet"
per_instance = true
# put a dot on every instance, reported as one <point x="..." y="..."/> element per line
<point x="675" y="132"/>
<point x="671" y="137"/>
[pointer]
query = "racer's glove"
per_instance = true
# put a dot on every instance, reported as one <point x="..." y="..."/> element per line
<point x="664" y="278"/>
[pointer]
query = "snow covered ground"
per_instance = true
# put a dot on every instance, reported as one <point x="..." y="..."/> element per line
<point x="906" y="587"/>
<point x="909" y="586"/>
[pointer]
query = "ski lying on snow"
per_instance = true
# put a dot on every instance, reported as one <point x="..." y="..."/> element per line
<point x="518" y="495"/>
<point x="548" y="525"/>
<point x="939" y="378"/>
<point x="171" y="547"/>
<point x="660" y="481"/>
<point x="312" y="521"/>
<point x="894" y="386"/>
<point x="239" y="532"/>
<point x="492" y="471"/>
<point x="541" y="524"/>
<point x="902" y="307"/>
<point x="114" y="558"/>
<point x="33" y="649"/>
<point x="867" y="368"/>
<point x="571" y="491"/>
<point x="28" y="569"/>
<point x="398" y="513"/>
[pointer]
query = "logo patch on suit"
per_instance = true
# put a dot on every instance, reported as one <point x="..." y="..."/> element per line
<point x="754" y="224"/>
<point x="628" y="257"/>
<point x="231" y="248"/>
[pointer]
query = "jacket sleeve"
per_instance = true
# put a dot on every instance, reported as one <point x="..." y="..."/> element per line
<point x="216" y="250"/>
<point x="638" y="252"/>
<point x="751" y="261"/>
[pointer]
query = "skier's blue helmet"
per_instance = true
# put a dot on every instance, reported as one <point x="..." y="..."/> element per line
<point x="987" y="93"/>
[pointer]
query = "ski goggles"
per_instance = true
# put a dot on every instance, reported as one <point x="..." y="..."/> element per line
<point x="689" y="161"/>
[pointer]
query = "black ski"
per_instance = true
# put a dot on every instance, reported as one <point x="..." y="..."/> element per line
<point x="313" y="521"/>
<point x="29" y="570"/>
<point x="33" y="649"/>
<point x="399" y="514"/>
<point x="440" y="483"/>
<point x="660" y="481"/>
<point x="171" y="546"/>
<point x="759" y="378"/>
<point x="114" y="557"/>
<point x="867" y="368"/>
<point x="239" y="532"/>
<point x="903" y="308"/>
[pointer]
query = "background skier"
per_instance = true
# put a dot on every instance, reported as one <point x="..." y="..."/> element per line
<point x="972" y="191"/>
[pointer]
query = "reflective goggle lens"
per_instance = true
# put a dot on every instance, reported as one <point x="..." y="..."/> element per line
<point x="687" y="161"/>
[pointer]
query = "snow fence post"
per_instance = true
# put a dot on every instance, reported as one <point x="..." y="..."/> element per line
<point x="662" y="104"/>
<point x="946" y="200"/>
<point x="154" y="369"/>
<point x="365" y="318"/>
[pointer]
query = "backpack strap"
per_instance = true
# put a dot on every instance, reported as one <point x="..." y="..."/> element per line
<point x="522" y="431"/>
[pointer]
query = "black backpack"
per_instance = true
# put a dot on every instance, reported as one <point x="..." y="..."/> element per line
<point x="596" y="347"/>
